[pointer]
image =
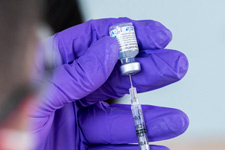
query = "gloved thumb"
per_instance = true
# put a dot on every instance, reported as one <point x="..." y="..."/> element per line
<point x="84" y="75"/>
<point x="94" y="67"/>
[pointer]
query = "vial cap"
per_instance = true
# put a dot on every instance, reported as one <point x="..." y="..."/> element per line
<point x="130" y="68"/>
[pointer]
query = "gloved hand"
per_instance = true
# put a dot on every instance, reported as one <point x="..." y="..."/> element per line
<point x="71" y="113"/>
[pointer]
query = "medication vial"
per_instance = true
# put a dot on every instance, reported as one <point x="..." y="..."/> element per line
<point x="125" y="35"/>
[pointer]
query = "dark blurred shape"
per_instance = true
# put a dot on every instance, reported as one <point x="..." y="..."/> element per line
<point x="18" y="23"/>
<point x="62" y="14"/>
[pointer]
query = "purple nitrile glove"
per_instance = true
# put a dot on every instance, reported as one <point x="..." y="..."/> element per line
<point x="72" y="115"/>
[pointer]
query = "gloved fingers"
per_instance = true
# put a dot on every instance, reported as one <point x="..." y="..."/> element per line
<point x="114" y="124"/>
<point x="158" y="68"/>
<point x="125" y="147"/>
<point x="73" y="42"/>
<point x="71" y="82"/>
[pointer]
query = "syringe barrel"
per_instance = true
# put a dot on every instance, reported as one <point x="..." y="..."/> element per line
<point x="140" y="127"/>
<point x="138" y="120"/>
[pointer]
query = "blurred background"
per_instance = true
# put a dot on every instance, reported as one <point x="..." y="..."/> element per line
<point x="198" y="29"/>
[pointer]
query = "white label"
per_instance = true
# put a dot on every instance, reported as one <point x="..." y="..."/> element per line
<point x="126" y="38"/>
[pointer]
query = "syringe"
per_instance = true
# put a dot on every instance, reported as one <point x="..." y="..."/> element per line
<point x="138" y="119"/>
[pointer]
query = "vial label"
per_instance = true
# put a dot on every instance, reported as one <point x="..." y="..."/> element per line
<point x="126" y="38"/>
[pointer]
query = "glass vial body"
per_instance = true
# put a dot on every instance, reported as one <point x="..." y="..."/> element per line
<point x="125" y="35"/>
